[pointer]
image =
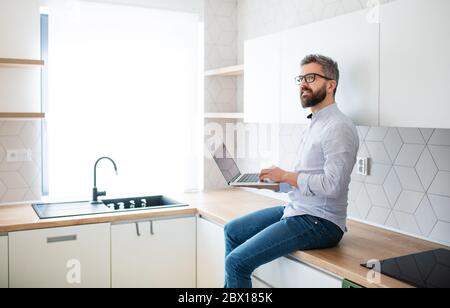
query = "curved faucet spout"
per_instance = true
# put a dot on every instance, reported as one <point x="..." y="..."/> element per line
<point x="95" y="192"/>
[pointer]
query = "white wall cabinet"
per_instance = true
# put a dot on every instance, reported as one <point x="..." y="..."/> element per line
<point x="154" y="254"/>
<point x="350" y="40"/>
<point x="60" y="257"/>
<point x="415" y="62"/>
<point x="262" y="79"/>
<point x="210" y="255"/>
<point x="4" y="277"/>
<point x="20" y="39"/>
<point x="287" y="273"/>
<point x="272" y="62"/>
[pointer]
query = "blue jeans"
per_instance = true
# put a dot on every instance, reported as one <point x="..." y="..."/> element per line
<point x="264" y="236"/>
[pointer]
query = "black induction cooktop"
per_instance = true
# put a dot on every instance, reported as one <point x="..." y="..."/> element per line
<point x="430" y="269"/>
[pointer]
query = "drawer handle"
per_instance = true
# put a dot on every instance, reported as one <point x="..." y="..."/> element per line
<point x="151" y="228"/>
<point x="59" y="239"/>
<point x="138" y="232"/>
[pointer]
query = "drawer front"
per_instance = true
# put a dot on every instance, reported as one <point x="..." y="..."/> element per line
<point x="154" y="254"/>
<point x="210" y="255"/>
<point x="287" y="273"/>
<point x="61" y="257"/>
<point x="3" y="261"/>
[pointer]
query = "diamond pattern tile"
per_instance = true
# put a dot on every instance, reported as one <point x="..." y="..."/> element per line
<point x="441" y="206"/>
<point x="425" y="217"/>
<point x="441" y="184"/>
<point x="426" y="133"/>
<point x="411" y="135"/>
<point x="393" y="143"/>
<point x="378" y="174"/>
<point x="409" y="155"/>
<point x="363" y="203"/>
<point x="377" y="134"/>
<point x="11" y="128"/>
<point x="409" y="201"/>
<point x="440" y="137"/>
<point x="426" y="168"/>
<point x="392" y="187"/>
<point x="377" y="196"/>
<point x="378" y="215"/>
<point x="407" y="223"/>
<point x="408" y="178"/>
<point x="440" y="232"/>
<point x="441" y="155"/>
<point x="16" y="179"/>
<point x="378" y="152"/>
<point x="392" y="222"/>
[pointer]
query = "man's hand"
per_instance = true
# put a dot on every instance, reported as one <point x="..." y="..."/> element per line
<point x="279" y="175"/>
<point x="273" y="173"/>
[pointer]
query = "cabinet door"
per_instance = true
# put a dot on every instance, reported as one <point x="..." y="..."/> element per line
<point x="415" y="62"/>
<point x="262" y="79"/>
<point x="20" y="38"/>
<point x="351" y="41"/>
<point x="287" y="273"/>
<point x="61" y="257"/>
<point x="210" y="255"/>
<point x="259" y="284"/>
<point x="154" y="254"/>
<point x="3" y="262"/>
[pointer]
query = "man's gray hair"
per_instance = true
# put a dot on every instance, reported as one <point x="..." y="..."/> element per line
<point x="329" y="66"/>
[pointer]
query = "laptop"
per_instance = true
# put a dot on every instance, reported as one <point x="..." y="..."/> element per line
<point x="232" y="174"/>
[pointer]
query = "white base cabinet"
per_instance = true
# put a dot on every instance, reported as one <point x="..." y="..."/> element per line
<point x="287" y="273"/>
<point x="210" y="255"/>
<point x="69" y="257"/>
<point x="4" y="277"/>
<point x="154" y="254"/>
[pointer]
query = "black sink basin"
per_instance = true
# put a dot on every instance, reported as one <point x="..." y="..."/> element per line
<point x="141" y="203"/>
<point x="82" y="208"/>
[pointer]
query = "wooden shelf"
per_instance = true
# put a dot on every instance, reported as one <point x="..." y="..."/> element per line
<point x="22" y="115"/>
<point x="21" y="62"/>
<point x="231" y="71"/>
<point x="224" y="115"/>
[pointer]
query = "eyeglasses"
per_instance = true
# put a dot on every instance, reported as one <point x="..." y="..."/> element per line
<point x="309" y="78"/>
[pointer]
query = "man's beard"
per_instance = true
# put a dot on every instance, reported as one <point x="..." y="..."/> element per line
<point x="315" y="99"/>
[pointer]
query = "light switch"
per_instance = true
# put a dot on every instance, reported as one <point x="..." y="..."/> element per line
<point x="18" y="156"/>
<point x="362" y="165"/>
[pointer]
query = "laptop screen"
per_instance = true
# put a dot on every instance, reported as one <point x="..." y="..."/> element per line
<point x="226" y="164"/>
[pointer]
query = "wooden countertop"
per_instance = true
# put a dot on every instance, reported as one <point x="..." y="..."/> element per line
<point x="360" y="244"/>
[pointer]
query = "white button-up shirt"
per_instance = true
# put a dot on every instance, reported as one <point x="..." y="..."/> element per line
<point x="327" y="157"/>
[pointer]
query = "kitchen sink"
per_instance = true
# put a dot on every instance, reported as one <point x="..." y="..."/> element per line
<point x="107" y="206"/>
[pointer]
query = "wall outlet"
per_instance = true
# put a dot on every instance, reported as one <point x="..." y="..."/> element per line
<point x="362" y="165"/>
<point x="19" y="156"/>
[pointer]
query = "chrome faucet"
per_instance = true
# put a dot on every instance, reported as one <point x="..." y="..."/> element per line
<point x="95" y="192"/>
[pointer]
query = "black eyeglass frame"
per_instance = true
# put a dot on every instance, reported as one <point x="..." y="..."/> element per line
<point x="300" y="79"/>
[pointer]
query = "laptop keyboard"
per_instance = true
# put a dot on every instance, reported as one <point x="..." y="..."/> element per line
<point x="249" y="178"/>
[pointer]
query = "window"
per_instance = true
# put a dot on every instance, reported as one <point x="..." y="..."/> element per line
<point x="123" y="82"/>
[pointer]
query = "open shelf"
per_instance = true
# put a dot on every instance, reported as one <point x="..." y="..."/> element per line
<point x="22" y="115"/>
<point x="224" y="116"/>
<point x="230" y="71"/>
<point x="21" y="62"/>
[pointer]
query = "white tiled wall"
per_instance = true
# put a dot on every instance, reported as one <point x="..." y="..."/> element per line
<point x="20" y="181"/>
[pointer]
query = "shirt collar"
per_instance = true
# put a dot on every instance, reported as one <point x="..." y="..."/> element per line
<point x="323" y="112"/>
